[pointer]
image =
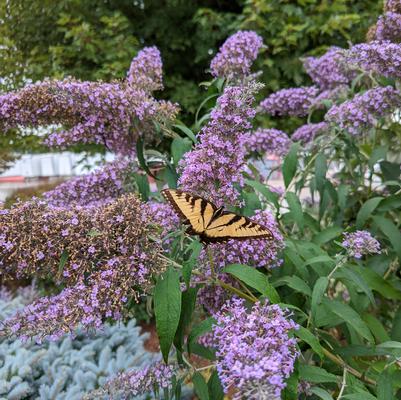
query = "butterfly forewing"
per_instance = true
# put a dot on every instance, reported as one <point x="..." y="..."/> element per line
<point x="193" y="209"/>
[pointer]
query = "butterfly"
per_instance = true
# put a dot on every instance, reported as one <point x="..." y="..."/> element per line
<point x="210" y="223"/>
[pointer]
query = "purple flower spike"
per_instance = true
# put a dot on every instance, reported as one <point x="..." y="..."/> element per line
<point x="216" y="163"/>
<point x="383" y="58"/>
<point x="236" y="55"/>
<point x="254" y="351"/>
<point x="364" y="111"/>
<point x="306" y="133"/>
<point x="146" y="70"/>
<point x="295" y="102"/>
<point x="360" y="243"/>
<point x="328" y="71"/>
<point x="271" y="141"/>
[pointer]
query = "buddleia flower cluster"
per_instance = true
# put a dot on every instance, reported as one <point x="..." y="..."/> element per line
<point x="379" y="57"/>
<point x="392" y="6"/>
<point x="306" y="133"/>
<point x="153" y="378"/>
<point x="214" y="166"/>
<point x="146" y="70"/>
<point x="365" y="110"/>
<point x="388" y="27"/>
<point x="236" y="55"/>
<point x="254" y="352"/>
<point x="329" y="70"/>
<point x="114" y="114"/>
<point x="273" y="141"/>
<point x="360" y="243"/>
<point x="96" y="188"/>
<point x="295" y="102"/>
<point x="101" y="255"/>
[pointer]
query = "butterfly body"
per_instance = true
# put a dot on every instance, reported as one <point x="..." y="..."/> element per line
<point x="210" y="223"/>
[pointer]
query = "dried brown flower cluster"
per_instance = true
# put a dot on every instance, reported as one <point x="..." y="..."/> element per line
<point x="103" y="255"/>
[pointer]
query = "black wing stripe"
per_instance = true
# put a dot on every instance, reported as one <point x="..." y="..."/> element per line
<point x="232" y="221"/>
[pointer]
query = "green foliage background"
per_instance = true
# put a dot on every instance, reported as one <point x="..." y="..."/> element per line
<point x="97" y="39"/>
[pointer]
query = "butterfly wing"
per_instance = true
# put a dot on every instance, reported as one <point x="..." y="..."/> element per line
<point x="233" y="226"/>
<point x="194" y="210"/>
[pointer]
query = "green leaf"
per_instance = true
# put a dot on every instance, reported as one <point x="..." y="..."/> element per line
<point x="254" y="279"/>
<point x="391" y="344"/>
<point x="317" y="293"/>
<point x="295" y="283"/>
<point x="360" y="396"/>
<point x="143" y="186"/>
<point x="189" y="264"/>
<point x="376" y="328"/>
<point x="202" y="351"/>
<point x="391" y="231"/>
<point x="366" y="210"/>
<point x="296" y="209"/>
<point x="140" y="148"/>
<point x="200" y="329"/>
<point x="314" y="374"/>
<point x="357" y="279"/>
<point x="396" y="328"/>
<point x="186" y="131"/>
<point x="264" y="190"/>
<point x="378" y="153"/>
<point x="309" y="338"/>
<point x="170" y="176"/>
<point x="321" y="393"/>
<point x="290" y="164"/>
<point x="350" y="316"/>
<point x="62" y="262"/>
<point x="200" y="386"/>
<point x="179" y="146"/>
<point x="377" y="283"/>
<point x="384" y="386"/>
<point x="320" y="171"/>
<point x="167" y="300"/>
<point x="319" y="259"/>
<point x="214" y="387"/>
<point x="188" y="301"/>
<point x="326" y="235"/>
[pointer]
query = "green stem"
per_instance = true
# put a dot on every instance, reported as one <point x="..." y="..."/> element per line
<point x="235" y="290"/>
<point x="211" y="261"/>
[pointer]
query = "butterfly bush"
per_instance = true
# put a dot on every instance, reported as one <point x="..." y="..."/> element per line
<point x="96" y="188"/>
<point x="392" y="6"/>
<point x="306" y="133"/>
<point x="380" y="57"/>
<point x="152" y="378"/>
<point x="114" y="114"/>
<point x="360" y="243"/>
<point x="294" y="102"/>
<point x="267" y="141"/>
<point x="388" y="27"/>
<point x="335" y="95"/>
<point x="236" y="55"/>
<point x="329" y="70"/>
<point x="254" y="351"/>
<point x="146" y="70"/>
<point x="107" y="256"/>
<point x="214" y="166"/>
<point x="365" y="109"/>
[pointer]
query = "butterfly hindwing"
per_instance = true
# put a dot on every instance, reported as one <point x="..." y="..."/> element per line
<point x="196" y="211"/>
<point x="233" y="226"/>
<point x="209" y="222"/>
